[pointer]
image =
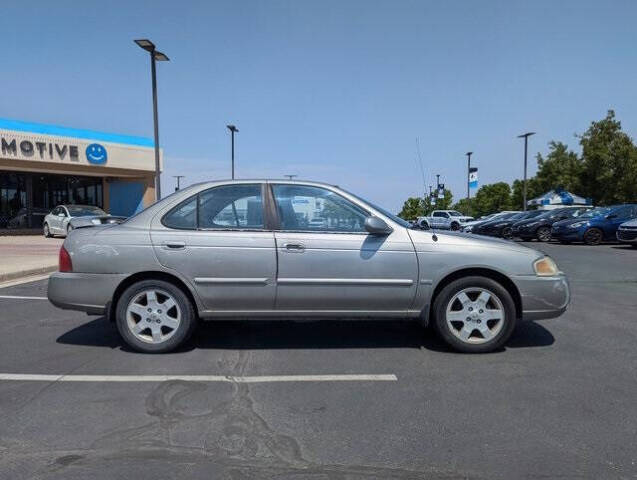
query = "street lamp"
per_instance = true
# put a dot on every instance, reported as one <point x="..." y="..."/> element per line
<point x="178" y="177"/>
<point x="526" y="148"/>
<point x="232" y="129"/>
<point x="469" y="174"/>
<point x="154" y="57"/>
<point x="290" y="177"/>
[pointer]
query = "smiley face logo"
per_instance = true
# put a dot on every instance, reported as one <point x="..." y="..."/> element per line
<point x="96" y="154"/>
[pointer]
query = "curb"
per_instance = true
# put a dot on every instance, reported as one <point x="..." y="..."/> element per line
<point x="6" y="277"/>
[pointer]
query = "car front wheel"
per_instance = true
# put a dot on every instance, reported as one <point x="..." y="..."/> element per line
<point x="474" y="314"/>
<point x="154" y="316"/>
<point x="47" y="232"/>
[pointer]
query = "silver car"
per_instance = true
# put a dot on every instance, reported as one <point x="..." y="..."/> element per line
<point x="58" y="221"/>
<point x="627" y="233"/>
<point x="254" y="249"/>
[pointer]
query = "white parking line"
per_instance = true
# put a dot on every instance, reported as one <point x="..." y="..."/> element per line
<point x="20" y="297"/>
<point x="200" y="378"/>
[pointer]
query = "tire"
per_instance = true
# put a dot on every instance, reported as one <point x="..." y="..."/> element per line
<point x="507" y="233"/>
<point x="454" y="226"/>
<point x="543" y="234"/>
<point x="175" y="324"/>
<point x="47" y="232"/>
<point x="476" y="342"/>
<point x="69" y="228"/>
<point x="593" y="236"/>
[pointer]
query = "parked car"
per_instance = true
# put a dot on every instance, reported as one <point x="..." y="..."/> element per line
<point x="181" y="259"/>
<point x="494" y="226"/>
<point x="540" y="226"/>
<point x="504" y="228"/>
<point x="57" y="221"/>
<point x="469" y="226"/>
<point x="443" y="219"/>
<point x="595" y="226"/>
<point x="627" y="233"/>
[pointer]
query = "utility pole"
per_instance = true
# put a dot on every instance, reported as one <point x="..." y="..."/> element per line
<point x="154" y="56"/>
<point x="178" y="177"/>
<point x="468" y="174"/>
<point x="526" y="148"/>
<point x="233" y="130"/>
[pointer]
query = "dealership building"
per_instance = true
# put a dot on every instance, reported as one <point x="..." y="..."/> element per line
<point x="42" y="166"/>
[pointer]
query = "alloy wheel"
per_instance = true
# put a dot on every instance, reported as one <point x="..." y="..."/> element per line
<point x="544" y="234"/>
<point x="475" y="315"/>
<point x="593" y="236"/>
<point x="153" y="316"/>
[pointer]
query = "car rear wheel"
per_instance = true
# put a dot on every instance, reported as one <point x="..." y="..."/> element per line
<point x="543" y="234"/>
<point x="474" y="314"/>
<point x="507" y="232"/>
<point x="593" y="236"/>
<point x="47" y="232"/>
<point x="454" y="226"/>
<point x="154" y="316"/>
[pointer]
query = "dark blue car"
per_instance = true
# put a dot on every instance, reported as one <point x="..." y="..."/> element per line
<point x="594" y="226"/>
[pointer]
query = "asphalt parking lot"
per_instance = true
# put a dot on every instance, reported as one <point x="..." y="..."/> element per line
<point x="558" y="401"/>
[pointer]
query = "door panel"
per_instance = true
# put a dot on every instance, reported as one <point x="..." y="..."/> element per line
<point x="339" y="271"/>
<point x="231" y="270"/>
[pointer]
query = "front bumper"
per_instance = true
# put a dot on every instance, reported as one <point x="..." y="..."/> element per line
<point x="627" y="236"/>
<point x="543" y="297"/>
<point x="86" y="292"/>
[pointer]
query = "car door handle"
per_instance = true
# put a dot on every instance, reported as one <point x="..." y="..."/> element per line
<point x="294" y="247"/>
<point x="174" y="245"/>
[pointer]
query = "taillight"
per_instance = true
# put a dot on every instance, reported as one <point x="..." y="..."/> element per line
<point x="65" y="264"/>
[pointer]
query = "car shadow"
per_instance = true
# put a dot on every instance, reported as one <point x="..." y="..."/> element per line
<point x="623" y="246"/>
<point x="311" y="335"/>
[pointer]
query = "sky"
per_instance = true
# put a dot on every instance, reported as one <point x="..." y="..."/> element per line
<point x="336" y="91"/>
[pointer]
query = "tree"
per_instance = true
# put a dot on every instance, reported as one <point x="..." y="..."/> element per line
<point x="412" y="208"/>
<point x="492" y="198"/>
<point x="609" y="170"/>
<point x="441" y="203"/>
<point x="533" y="189"/>
<point x="465" y="207"/>
<point x="561" y="168"/>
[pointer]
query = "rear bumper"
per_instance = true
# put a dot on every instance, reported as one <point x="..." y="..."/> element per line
<point x="543" y="297"/>
<point x="86" y="292"/>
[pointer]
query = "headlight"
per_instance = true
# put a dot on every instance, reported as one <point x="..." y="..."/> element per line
<point x="578" y="224"/>
<point x="498" y="225"/>
<point x="96" y="221"/>
<point x="532" y="224"/>
<point x="545" y="267"/>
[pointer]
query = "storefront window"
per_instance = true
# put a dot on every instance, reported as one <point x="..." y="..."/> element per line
<point x="47" y="191"/>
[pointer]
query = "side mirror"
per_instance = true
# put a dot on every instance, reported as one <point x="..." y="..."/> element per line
<point x="377" y="226"/>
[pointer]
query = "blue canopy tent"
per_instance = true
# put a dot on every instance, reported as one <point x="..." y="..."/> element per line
<point x="558" y="197"/>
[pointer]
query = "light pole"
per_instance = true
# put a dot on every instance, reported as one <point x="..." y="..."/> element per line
<point x="232" y="129"/>
<point x="290" y="177"/>
<point x="178" y="177"/>
<point x="154" y="56"/>
<point x="526" y="148"/>
<point x="468" y="174"/>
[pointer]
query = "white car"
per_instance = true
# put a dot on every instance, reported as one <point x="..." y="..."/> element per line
<point x="58" y="221"/>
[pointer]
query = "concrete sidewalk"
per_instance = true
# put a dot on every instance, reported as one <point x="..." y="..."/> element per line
<point x="25" y="255"/>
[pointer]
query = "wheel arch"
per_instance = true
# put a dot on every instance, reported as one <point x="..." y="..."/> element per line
<point x="149" y="275"/>
<point x="499" y="277"/>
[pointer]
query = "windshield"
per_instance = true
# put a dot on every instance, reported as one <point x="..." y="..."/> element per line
<point x="455" y="213"/>
<point x="596" y="212"/>
<point x="84" y="210"/>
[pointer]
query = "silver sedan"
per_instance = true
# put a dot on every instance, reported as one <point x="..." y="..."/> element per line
<point x="286" y="249"/>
